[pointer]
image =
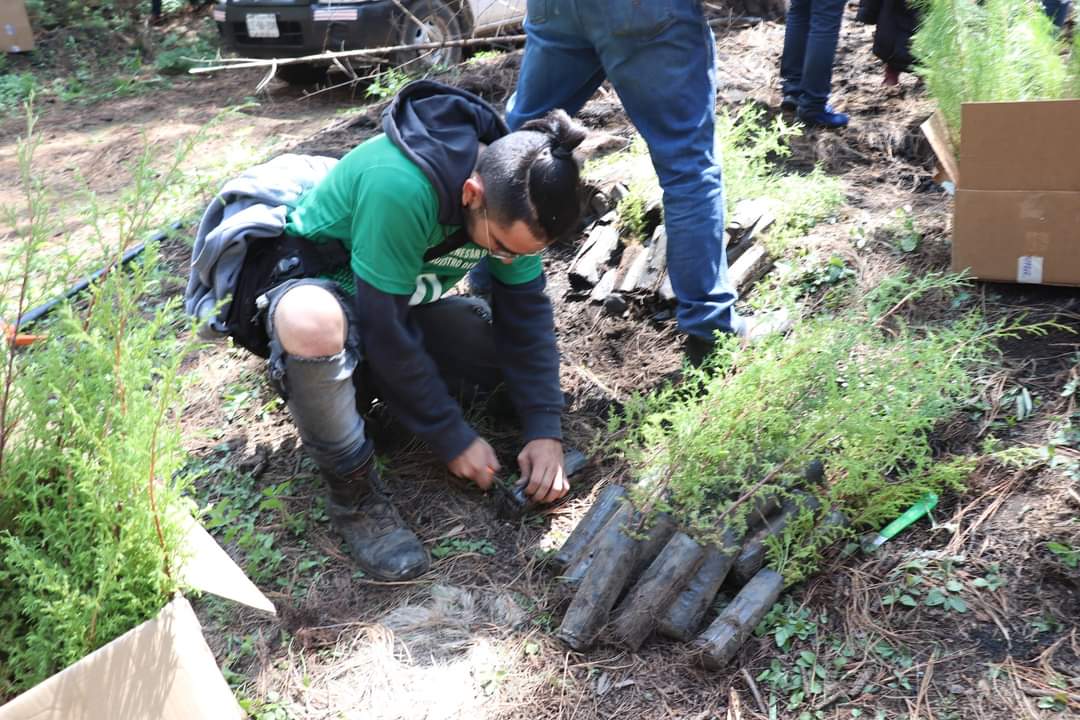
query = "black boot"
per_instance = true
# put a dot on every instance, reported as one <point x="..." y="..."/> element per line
<point x="380" y="542"/>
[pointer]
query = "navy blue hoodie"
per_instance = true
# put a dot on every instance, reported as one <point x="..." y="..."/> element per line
<point x="440" y="128"/>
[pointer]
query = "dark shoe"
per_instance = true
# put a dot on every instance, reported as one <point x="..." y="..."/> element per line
<point x="827" y="118"/>
<point x="380" y="542"/>
<point x="697" y="349"/>
<point x="892" y="76"/>
<point x="790" y="102"/>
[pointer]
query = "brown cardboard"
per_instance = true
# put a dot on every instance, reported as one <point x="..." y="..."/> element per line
<point x="937" y="134"/>
<point x="1017" y="210"/>
<point x="1027" y="145"/>
<point x="1018" y="236"/>
<point x="160" y="670"/>
<point x="15" y="32"/>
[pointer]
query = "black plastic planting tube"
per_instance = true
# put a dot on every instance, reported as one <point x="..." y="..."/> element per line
<point x="32" y="316"/>
<point x="575" y="546"/>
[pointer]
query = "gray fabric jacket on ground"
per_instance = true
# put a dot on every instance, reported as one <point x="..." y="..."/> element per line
<point x="251" y="206"/>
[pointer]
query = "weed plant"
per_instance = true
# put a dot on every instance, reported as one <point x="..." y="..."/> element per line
<point x="997" y="50"/>
<point x="863" y="392"/>
<point x="91" y="511"/>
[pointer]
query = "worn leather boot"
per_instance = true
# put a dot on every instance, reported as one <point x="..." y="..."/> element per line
<point x="380" y="542"/>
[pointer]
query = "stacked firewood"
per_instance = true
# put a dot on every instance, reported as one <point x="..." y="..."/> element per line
<point x="613" y="273"/>
<point x="630" y="581"/>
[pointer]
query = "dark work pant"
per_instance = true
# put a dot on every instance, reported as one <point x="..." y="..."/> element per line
<point x="321" y="393"/>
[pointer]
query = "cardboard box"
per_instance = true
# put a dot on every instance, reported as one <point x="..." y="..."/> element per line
<point x="160" y="670"/>
<point x="1017" y="178"/>
<point x="15" y="33"/>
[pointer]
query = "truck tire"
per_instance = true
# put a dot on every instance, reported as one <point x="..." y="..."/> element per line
<point x="439" y="20"/>
<point x="302" y="74"/>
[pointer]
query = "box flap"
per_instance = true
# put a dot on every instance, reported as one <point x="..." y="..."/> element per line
<point x="937" y="134"/>
<point x="160" y="670"/>
<point x="1014" y="236"/>
<point x="1027" y="145"/>
<point x="15" y="33"/>
<point x="210" y="569"/>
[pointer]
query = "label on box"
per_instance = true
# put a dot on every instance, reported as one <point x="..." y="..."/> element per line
<point x="1029" y="269"/>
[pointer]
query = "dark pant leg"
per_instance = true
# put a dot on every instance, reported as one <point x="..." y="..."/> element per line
<point x="796" y="27"/>
<point x="459" y="337"/>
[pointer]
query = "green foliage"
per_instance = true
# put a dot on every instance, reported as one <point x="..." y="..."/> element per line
<point x="1068" y="555"/>
<point x="459" y="546"/>
<point x="750" y="149"/>
<point x="841" y="389"/>
<point x="993" y="50"/>
<point x="387" y="83"/>
<point x="16" y="89"/>
<point x="180" y="53"/>
<point x="91" y="509"/>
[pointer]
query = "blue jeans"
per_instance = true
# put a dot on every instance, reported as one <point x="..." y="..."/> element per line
<point x="810" y="37"/>
<point x="1057" y="11"/>
<point x="660" y="58"/>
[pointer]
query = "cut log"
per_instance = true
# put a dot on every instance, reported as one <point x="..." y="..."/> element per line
<point x="752" y="556"/>
<point x="605" y="287"/>
<point x="637" y="615"/>
<point x="595" y="255"/>
<point x="610" y="499"/>
<point x="609" y="572"/>
<point x="723" y="638"/>
<point x="684" y="615"/>
<point x="634" y="271"/>
<point x="751" y="266"/>
<point x="666" y="292"/>
<point x="655" y="263"/>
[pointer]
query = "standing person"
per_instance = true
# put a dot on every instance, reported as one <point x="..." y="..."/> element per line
<point x="896" y="21"/>
<point x="343" y="290"/>
<point x="661" y="60"/>
<point x="810" y="36"/>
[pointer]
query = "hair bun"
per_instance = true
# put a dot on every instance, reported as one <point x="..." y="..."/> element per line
<point x="563" y="133"/>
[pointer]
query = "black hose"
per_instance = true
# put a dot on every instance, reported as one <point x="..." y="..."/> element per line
<point x="32" y="316"/>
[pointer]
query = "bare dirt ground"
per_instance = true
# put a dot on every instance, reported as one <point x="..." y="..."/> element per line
<point x="474" y="638"/>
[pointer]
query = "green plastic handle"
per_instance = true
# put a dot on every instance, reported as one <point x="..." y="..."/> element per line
<point x="924" y="505"/>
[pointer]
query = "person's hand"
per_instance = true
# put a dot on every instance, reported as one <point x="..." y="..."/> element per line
<point x="478" y="463"/>
<point x="541" y="463"/>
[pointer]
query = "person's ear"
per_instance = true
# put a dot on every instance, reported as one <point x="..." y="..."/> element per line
<point x="472" y="192"/>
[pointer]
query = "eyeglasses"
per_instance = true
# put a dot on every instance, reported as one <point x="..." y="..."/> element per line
<point x="495" y="248"/>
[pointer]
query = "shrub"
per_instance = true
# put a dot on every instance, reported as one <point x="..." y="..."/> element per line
<point x="997" y="50"/>
<point x="91" y="511"/>
<point x="862" y="392"/>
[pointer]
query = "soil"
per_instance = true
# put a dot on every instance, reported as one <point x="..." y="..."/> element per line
<point x="475" y="636"/>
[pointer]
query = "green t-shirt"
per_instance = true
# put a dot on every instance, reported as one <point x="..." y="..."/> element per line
<point x="382" y="208"/>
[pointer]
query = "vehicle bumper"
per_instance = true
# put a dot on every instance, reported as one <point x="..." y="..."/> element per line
<point x="306" y="29"/>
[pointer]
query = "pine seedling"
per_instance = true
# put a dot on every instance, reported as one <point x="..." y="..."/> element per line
<point x="91" y="504"/>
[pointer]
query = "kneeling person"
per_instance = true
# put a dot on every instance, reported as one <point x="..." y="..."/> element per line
<point x="444" y="188"/>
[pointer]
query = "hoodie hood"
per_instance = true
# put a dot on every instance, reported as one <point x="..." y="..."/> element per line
<point x="440" y="128"/>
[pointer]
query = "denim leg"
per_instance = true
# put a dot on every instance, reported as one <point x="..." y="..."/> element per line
<point x="661" y="59"/>
<point x="821" y="40"/>
<point x="560" y="68"/>
<point x="796" y="27"/>
<point x="319" y="393"/>
<point x="1057" y="11"/>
